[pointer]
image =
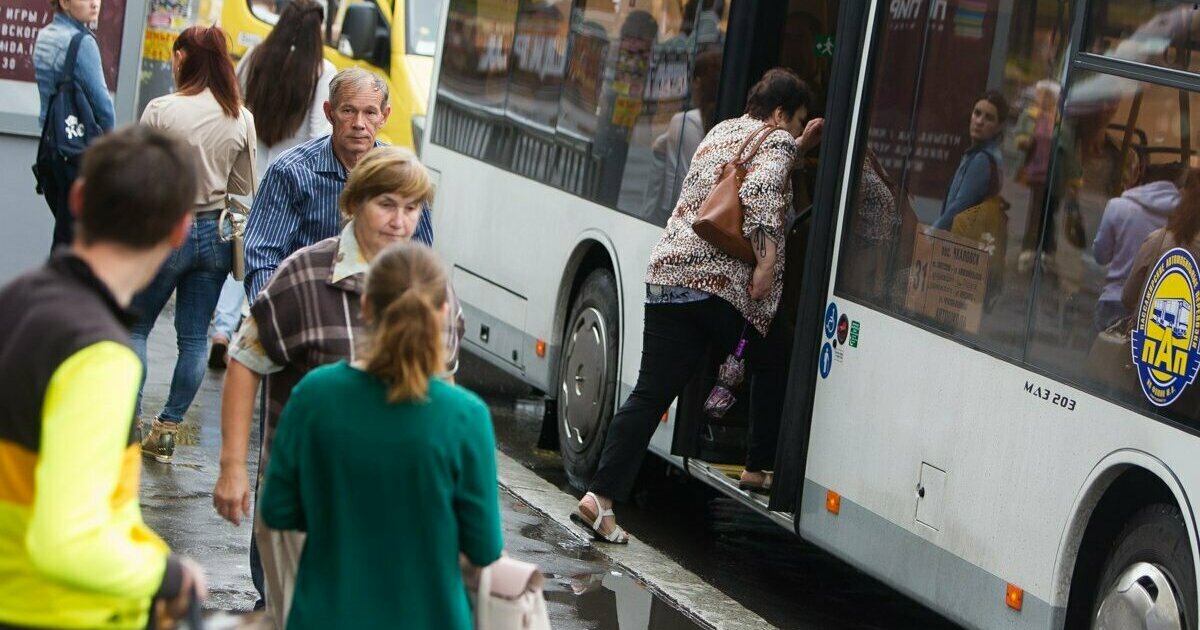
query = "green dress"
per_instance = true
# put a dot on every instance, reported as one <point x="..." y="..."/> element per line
<point x="389" y="494"/>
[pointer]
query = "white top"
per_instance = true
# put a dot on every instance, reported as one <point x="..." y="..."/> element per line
<point x="314" y="125"/>
<point x="226" y="146"/>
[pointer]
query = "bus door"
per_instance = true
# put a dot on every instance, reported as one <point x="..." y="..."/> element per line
<point x="800" y="35"/>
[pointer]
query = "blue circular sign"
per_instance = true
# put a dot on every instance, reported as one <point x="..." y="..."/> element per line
<point x="826" y="362"/>
<point x="831" y="320"/>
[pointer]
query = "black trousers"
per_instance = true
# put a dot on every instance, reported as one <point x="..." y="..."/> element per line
<point x="674" y="341"/>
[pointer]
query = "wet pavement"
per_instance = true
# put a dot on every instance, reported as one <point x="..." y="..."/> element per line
<point x="583" y="588"/>
<point x="761" y="566"/>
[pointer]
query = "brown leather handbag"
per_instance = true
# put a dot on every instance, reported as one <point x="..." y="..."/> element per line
<point x="720" y="218"/>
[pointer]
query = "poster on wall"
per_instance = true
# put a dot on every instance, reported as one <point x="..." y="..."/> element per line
<point x="937" y="54"/>
<point x="20" y="21"/>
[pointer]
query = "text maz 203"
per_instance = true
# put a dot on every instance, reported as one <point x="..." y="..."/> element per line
<point x="1046" y="394"/>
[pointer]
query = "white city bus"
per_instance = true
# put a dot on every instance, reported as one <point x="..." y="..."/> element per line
<point x="954" y="423"/>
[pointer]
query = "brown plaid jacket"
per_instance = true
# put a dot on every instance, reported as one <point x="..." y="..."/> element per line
<point x="309" y="315"/>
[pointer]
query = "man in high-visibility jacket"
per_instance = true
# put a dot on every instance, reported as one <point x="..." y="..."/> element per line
<point x="74" y="551"/>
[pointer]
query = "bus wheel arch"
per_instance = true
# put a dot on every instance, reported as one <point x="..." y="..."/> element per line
<point x="1127" y="489"/>
<point x="586" y="371"/>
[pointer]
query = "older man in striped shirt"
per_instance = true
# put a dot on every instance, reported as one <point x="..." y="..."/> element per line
<point x="297" y="204"/>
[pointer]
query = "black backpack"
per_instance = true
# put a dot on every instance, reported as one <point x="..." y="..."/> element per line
<point x="69" y="127"/>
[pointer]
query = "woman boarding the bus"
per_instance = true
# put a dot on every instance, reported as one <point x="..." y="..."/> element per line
<point x="697" y="295"/>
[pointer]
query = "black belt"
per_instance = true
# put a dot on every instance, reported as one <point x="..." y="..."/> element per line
<point x="209" y="214"/>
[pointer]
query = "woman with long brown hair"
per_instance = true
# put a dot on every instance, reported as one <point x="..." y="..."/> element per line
<point x="286" y="81"/>
<point x="205" y="110"/>
<point x="389" y="468"/>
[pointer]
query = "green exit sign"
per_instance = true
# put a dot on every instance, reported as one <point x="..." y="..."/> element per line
<point x="824" y="45"/>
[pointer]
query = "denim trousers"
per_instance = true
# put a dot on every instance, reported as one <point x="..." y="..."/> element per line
<point x="195" y="273"/>
<point x="674" y="340"/>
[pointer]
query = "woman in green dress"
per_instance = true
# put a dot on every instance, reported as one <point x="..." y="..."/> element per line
<point x="389" y="469"/>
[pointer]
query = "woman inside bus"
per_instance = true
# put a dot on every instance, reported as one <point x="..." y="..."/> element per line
<point x="696" y="295"/>
<point x="307" y="316"/>
<point x="979" y="170"/>
<point x="286" y="83"/>
<point x="206" y="110"/>
<point x="1182" y="230"/>
<point x="431" y="447"/>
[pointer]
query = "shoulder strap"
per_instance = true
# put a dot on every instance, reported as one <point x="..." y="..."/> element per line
<point x="758" y="136"/>
<point x="72" y="53"/>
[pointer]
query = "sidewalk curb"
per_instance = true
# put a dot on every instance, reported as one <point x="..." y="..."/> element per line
<point x="697" y="598"/>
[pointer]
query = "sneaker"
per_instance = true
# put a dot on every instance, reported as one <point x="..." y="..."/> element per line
<point x="218" y="357"/>
<point x="160" y="444"/>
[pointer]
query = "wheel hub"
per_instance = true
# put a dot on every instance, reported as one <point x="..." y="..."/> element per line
<point x="1143" y="597"/>
<point x="585" y="366"/>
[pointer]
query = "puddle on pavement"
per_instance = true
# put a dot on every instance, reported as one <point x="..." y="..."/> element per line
<point x="583" y="588"/>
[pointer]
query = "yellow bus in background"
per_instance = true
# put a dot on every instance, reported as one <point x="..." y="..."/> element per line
<point x="395" y="39"/>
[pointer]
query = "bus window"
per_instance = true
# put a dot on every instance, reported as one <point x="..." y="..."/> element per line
<point x="474" y="77"/>
<point x="539" y="56"/>
<point x="1123" y="150"/>
<point x="934" y="230"/>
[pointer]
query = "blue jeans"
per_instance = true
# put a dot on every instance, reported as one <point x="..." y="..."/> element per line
<point x="195" y="273"/>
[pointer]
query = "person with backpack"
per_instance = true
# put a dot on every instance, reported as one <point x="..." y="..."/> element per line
<point x="70" y="77"/>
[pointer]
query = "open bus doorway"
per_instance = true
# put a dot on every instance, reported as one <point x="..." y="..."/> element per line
<point x="799" y="35"/>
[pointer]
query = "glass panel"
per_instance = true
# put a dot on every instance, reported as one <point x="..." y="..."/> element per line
<point x="423" y="20"/>
<point x="1123" y="152"/>
<point x="651" y="117"/>
<point x="535" y="86"/>
<point x="949" y="179"/>
<point x="473" y="80"/>
<point x="1157" y="32"/>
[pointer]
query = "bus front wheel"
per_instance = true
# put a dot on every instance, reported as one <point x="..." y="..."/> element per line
<point x="587" y="376"/>
<point x="1149" y="580"/>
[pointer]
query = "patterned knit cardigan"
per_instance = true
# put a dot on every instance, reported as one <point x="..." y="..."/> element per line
<point x="683" y="259"/>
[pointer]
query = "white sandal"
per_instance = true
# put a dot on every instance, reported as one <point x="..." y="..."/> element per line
<point x="617" y="536"/>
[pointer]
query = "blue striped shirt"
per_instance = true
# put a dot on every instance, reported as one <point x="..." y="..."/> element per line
<point x="296" y="206"/>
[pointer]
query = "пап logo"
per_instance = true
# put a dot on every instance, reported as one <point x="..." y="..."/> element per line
<point x="1166" y="338"/>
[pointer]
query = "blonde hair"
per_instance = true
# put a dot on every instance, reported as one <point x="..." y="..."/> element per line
<point x="385" y="170"/>
<point x="406" y="291"/>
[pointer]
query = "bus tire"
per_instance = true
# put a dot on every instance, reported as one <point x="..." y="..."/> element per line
<point x="1148" y="573"/>
<point x="587" y="376"/>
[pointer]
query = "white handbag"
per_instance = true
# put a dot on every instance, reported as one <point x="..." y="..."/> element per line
<point x="509" y="597"/>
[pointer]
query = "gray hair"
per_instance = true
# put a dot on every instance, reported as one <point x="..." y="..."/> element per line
<point x="356" y="78"/>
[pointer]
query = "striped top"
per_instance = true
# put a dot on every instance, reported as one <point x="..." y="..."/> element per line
<point x="297" y="206"/>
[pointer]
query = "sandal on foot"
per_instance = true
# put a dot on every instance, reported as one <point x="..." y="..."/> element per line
<point x="763" y="486"/>
<point x="617" y="536"/>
